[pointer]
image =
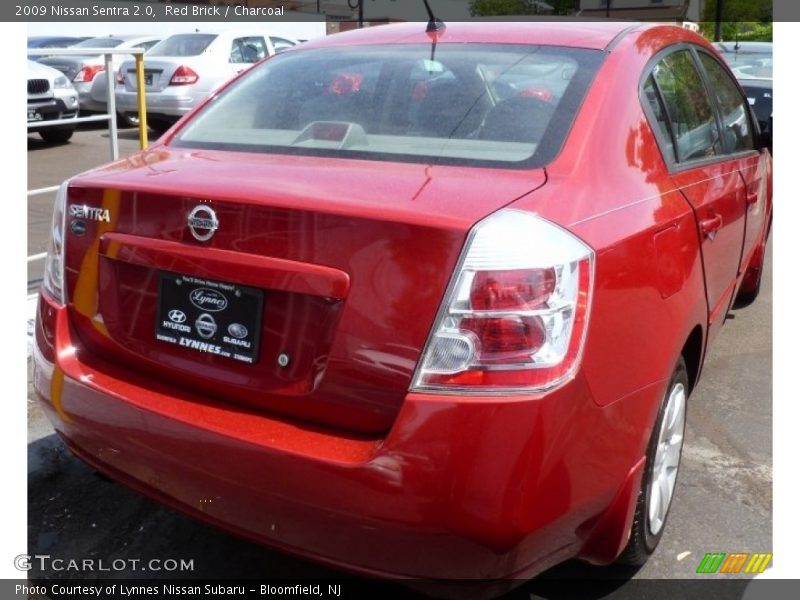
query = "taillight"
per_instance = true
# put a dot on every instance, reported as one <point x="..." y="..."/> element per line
<point x="183" y="75"/>
<point x="514" y="318"/>
<point x="87" y="73"/>
<point x="53" y="280"/>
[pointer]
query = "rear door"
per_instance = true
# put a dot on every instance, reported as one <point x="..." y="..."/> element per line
<point x="740" y="133"/>
<point x="247" y="51"/>
<point x="704" y="171"/>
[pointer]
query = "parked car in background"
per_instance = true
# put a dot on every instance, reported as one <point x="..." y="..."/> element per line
<point x="185" y="68"/>
<point x="38" y="42"/>
<point x="87" y="73"/>
<point x="51" y="97"/>
<point x="751" y="63"/>
<point x="415" y="304"/>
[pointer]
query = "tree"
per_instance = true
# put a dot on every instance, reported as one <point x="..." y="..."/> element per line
<point x="741" y="19"/>
<point x="493" y="8"/>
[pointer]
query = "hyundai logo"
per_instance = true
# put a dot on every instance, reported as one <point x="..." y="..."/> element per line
<point x="177" y="316"/>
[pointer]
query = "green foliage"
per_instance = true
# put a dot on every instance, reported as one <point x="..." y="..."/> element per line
<point x="744" y="31"/>
<point x="492" y="8"/>
<point x="740" y="10"/>
<point x="747" y="20"/>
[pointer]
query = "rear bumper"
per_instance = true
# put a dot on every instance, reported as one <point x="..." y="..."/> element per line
<point x="174" y="104"/>
<point x="458" y="488"/>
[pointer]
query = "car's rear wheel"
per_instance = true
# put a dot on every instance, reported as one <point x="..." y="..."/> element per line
<point x="661" y="471"/>
<point x="57" y="135"/>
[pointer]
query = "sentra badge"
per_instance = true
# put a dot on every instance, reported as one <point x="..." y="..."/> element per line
<point x="203" y="223"/>
<point x="82" y="211"/>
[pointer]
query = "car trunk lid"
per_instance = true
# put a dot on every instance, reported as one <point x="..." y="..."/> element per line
<point x="336" y="273"/>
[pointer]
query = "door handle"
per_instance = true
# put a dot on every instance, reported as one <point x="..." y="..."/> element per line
<point x="710" y="226"/>
<point x="751" y="198"/>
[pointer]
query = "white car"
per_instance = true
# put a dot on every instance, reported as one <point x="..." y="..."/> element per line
<point x="51" y="97"/>
<point x="186" y="68"/>
<point x="87" y="73"/>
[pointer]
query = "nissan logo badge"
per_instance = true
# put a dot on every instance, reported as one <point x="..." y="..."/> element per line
<point x="203" y="223"/>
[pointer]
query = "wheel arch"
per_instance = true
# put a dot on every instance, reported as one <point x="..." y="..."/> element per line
<point x="693" y="353"/>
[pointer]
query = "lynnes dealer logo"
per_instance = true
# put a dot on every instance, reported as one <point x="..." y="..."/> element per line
<point x="734" y="563"/>
<point x="208" y="299"/>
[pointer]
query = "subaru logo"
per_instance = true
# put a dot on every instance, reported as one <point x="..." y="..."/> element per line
<point x="177" y="316"/>
<point x="203" y="223"/>
<point x="237" y="330"/>
<point x="208" y="299"/>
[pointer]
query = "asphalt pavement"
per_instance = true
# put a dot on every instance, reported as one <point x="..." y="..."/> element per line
<point x="723" y="501"/>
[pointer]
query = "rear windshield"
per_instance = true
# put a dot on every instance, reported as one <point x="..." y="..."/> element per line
<point x="98" y="43"/>
<point x="749" y="65"/>
<point x="472" y="104"/>
<point x="188" y="44"/>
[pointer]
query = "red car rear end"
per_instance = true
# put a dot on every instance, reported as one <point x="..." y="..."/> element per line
<point x="413" y="309"/>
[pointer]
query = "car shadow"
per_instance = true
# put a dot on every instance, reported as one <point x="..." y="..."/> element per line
<point x="37" y="143"/>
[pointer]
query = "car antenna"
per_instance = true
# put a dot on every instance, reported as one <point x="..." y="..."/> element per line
<point x="434" y="24"/>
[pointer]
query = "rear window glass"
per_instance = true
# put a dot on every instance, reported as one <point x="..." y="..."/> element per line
<point x="456" y="104"/>
<point x="749" y="65"/>
<point x="98" y="43"/>
<point x="190" y="44"/>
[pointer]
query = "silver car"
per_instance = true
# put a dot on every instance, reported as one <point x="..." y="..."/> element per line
<point x="51" y="97"/>
<point x="186" y="68"/>
<point x="87" y="73"/>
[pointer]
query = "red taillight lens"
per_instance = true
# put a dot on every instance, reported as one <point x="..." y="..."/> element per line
<point x="506" y="340"/>
<point x="519" y="289"/>
<point x="184" y="75"/>
<point x="515" y="316"/>
<point x="87" y="73"/>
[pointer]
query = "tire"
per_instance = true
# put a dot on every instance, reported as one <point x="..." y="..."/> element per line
<point x="57" y="135"/>
<point x="746" y="297"/>
<point x="661" y="471"/>
<point x="158" y="125"/>
<point x="128" y="119"/>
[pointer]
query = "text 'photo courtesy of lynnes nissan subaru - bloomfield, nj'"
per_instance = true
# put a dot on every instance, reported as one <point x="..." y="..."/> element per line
<point x="415" y="302"/>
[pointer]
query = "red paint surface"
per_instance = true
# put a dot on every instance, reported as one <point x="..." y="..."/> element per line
<point x="334" y="458"/>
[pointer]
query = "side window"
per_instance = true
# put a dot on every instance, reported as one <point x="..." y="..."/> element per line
<point x="654" y="100"/>
<point x="732" y="105"/>
<point x="280" y="44"/>
<point x="146" y="45"/>
<point x="688" y="106"/>
<point x="248" y="49"/>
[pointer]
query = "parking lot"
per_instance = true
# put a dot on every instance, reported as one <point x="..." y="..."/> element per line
<point x="723" y="501"/>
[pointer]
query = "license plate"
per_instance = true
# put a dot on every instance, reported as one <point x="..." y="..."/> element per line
<point x="208" y="316"/>
<point x="34" y="115"/>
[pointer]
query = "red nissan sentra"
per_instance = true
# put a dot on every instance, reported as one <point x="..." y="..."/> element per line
<point x="411" y="303"/>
